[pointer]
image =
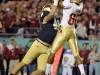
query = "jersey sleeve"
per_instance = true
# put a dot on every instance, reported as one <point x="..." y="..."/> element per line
<point x="67" y="4"/>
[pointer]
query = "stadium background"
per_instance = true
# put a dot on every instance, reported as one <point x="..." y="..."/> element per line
<point x="26" y="43"/>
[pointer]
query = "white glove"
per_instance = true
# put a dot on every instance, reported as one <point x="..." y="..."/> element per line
<point x="55" y="2"/>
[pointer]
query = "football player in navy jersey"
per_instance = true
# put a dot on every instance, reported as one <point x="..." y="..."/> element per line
<point x="40" y="47"/>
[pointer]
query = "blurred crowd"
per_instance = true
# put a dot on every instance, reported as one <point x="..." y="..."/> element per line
<point x="20" y="19"/>
<point x="10" y="55"/>
<point x="88" y="26"/>
<point x="90" y="57"/>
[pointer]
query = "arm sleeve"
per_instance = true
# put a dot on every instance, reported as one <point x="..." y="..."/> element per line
<point x="67" y="4"/>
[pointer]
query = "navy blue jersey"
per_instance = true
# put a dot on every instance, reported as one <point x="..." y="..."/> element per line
<point x="47" y="33"/>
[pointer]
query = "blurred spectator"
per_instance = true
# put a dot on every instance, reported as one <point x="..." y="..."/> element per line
<point x="92" y="24"/>
<point x="10" y="47"/>
<point x="68" y="62"/>
<point x="98" y="36"/>
<point x="87" y="19"/>
<point x="14" y="58"/>
<point x="91" y="35"/>
<point x="34" y="6"/>
<point x="94" y="58"/>
<point x="4" y="33"/>
<point x="16" y="23"/>
<point x="12" y="41"/>
<point x="1" y="61"/>
<point x="34" y="22"/>
<point x="97" y="8"/>
<point x="17" y="20"/>
<point x="1" y="21"/>
<point x="8" y="20"/>
<point x="29" y="17"/>
<point x="20" y="33"/>
<point x="5" y="55"/>
<point x="97" y="29"/>
<point x="21" y="54"/>
<point x="34" y="34"/>
<point x="27" y="34"/>
<point x="81" y="31"/>
<point x="84" y="55"/>
<point x="24" y="19"/>
<point x="98" y="20"/>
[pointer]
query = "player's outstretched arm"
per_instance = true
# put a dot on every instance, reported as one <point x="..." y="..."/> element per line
<point x="52" y="12"/>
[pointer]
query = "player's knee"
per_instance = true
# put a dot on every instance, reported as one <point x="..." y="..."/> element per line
<point x="38" y="72"/>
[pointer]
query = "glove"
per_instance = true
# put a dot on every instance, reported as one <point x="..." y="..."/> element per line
<point x="55" y="2"/>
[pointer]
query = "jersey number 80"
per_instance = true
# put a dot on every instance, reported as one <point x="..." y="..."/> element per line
<point x="72" y="19"/>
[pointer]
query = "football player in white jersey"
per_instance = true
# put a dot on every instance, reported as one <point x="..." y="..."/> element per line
<point x="71" y="8"/>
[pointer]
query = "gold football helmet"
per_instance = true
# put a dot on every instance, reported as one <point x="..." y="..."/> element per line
<point x="47" y="7"/>
<point x="77" y="1"/>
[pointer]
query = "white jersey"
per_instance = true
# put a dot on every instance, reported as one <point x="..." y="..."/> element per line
<point x="70" y="12"/>
<point x="68" y="58"/>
